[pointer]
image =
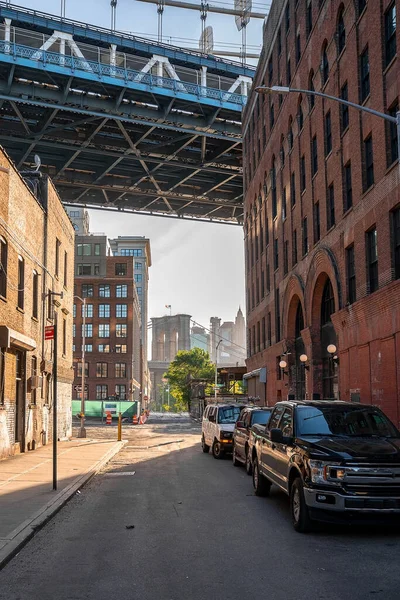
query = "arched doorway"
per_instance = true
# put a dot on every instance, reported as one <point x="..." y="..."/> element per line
<point x="300" y="371"/>
<point x="328" y="340"/>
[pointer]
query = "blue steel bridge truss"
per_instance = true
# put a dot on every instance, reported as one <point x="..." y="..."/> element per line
<point x="122" y="123"/>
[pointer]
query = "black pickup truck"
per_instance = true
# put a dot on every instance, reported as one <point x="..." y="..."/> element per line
<point x="335" y="460"/>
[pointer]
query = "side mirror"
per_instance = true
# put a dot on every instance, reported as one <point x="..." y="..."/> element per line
<point x="276" y="436"/>
<point x="240" y="425"/>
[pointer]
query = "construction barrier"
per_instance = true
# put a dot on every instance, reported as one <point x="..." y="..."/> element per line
<point x="109" y="419"/>
<point x="135" y="420"/>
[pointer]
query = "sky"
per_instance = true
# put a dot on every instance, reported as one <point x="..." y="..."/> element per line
<point x="198" y="268"/>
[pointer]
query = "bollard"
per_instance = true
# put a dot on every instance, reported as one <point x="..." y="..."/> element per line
<point x="119" y="427"/>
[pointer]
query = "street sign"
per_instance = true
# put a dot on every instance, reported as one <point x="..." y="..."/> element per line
<point x="49" y="332"/>
<point x="78" y="388"/>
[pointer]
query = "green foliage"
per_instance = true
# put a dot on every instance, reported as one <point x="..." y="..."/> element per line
<point x="188" y="364"/>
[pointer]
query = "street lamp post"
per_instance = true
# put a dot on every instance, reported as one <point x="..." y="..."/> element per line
<point x="279" y="89"/>
<point x="216" y="370"/>
<point x="82" y="431"/>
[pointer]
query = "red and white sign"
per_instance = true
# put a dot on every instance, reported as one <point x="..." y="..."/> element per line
<point x="49" y="332"/>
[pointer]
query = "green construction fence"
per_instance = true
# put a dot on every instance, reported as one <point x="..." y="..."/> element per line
<point x="100" y="408"/>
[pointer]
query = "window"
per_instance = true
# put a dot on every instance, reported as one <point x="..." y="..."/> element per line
<point x="96" y="269"/>
<point x="120" y="391"/>
<point x="327" y="304"/>
<point x="271" y="116"/>
<point x="305" y="236"/>
<point x="390" y="33"/>
<point x="328" y="133"/>
<point x="121" y="291"/>
<point x="121" y="330"/>
<point x="351" y="275"/>
<point x="288" y="72"/>
<point x="302" y="173"/>
<point x="101" y="392"/>
<point x="33" y="383"/>
<point x="266" y="232"/>
<point x="369" y="163"/>
<point x="104" y="311"/>
<point x="104" y="330"/>
<point x="273" y="191"/>
<point x="138" y="278"/>
<point x="330" y="207"/>
<point x="286" y="423"/>
<point x="84" y="249"/>
<point x="263" y="339"/>
<point x="277" y="317"/>
<point x="79" y="371"/>
<point x="364" y="75"/>
<point x="121" y="310"/>
<point x="120" y="370"/>
<point x="298" y="48"/>
<point x="284" y="215"/>
<point x="290" y="135"/>
<point x="88" y="311"/>
<point x="97" y="249"/>
<point x="269" y="329"/>
<point x="287" y="17"/>
<point x="317" y="223"/>
<point x="104" y="291"/>
<point x="276" y="254"/>
<point x="73" y="330"/>
<point x="139" y="289"/>
<point x="121" y="269"/>
<point x="49" y="304"/>
<point x="285" y="257"/>
<point x="257" y="291"/>
<point x="270" y="71"/>
<point x="314" y="156"/>
<point x="138" y="266"/>
<point x="64" y="337"/>
<point x="258" y="337"/>
<point x="341" y="32"/>
<point x="104" y="348"/>
<point x="294" y="247"/>
<point x="344" y="109"/>
<point x="102" y="369"/>
<point x="311" y="97"/>
<point x="393" y="148"/>
<point x="308" y="17"/>
<point x="87" y="291"/>
<point x="372" y="260"/>
<point x="395" y="215"/>
<point x="262" y="284"/>
<point x="120" y="348"/>
<point x="88" y="347"/>
<point x="348" y="191"/>
<point x="324" y="65"/>
<point x="293" y="189"/>
<point x="35" y="295"/>
<point x="57" y="265"/>
<point x="300" y="117"/>
<point x="3" y="267"/>
<point x="268" y="279"/>
<point x="84" y="269"/>
<point x="88" y="330"/>
<point x="279" y="42"/>
<point x="74" y="311"/>
<point x="21" y="282"/>
<point x="65" y="269"/>
<point x="361" y="5"/>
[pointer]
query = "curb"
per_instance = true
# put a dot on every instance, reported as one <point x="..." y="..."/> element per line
<point x="25" y="532"/>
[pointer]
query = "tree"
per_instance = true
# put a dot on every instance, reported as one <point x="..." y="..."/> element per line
<point x="188" y="364"/>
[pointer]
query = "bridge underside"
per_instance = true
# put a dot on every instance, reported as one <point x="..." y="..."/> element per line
<point x="123" y="146"/>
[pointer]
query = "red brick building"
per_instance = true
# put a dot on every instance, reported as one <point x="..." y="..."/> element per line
<point x="112" y="323"/>
<point x="322" y="207"/>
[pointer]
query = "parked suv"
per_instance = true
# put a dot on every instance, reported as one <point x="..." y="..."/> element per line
<point x="241" y="451"/>
<point x="333" y="459"/>
<point x="217" y="428"/>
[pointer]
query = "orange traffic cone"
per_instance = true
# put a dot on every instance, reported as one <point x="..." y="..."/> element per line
<point x="135" y="420"/>
<point x="108" y="419"/>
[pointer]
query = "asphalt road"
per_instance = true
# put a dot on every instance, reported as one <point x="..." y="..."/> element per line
<point x="199" y="533"/>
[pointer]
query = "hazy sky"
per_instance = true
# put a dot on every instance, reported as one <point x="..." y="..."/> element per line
<point x="198" y="268"/>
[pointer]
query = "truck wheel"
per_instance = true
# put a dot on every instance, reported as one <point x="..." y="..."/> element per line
<point x="298" y="507"/>
<point x="261" y="485"/>
<point x="204" y="446"/>
<point x="236" y="463"/>
<point x="217" y="450"/>
<point x="249" y="466"/>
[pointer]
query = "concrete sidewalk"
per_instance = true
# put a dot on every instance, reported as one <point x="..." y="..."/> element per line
<point x="27" y="499"/>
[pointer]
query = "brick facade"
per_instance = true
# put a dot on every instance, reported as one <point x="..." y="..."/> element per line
<point x="320" y="206"/>
<point x="34" y="231"/>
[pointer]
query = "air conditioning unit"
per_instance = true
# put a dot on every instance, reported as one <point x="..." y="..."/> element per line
<point x="36" y="382"/>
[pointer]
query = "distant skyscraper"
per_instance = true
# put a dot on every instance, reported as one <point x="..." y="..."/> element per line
<point x="199" y="338"/>
<point x="139" y="248"/>
<point x="232" y="338"/>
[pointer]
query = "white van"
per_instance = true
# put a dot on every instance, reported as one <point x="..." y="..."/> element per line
<point x="217" y="428"/>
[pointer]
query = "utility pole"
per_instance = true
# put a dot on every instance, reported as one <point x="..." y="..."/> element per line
<point x="216" y="370"/>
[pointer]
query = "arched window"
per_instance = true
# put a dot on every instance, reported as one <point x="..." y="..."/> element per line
<point x="273" y="189"/>
<point x="282" y="153"/>
<point x="311" y="97"/>
<point x="324" y="64"/>
<point x="290" y="134"/>
<point x="327" y="303"/>
<point x="300" y="116"/>
<point x="341" y="31"/>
